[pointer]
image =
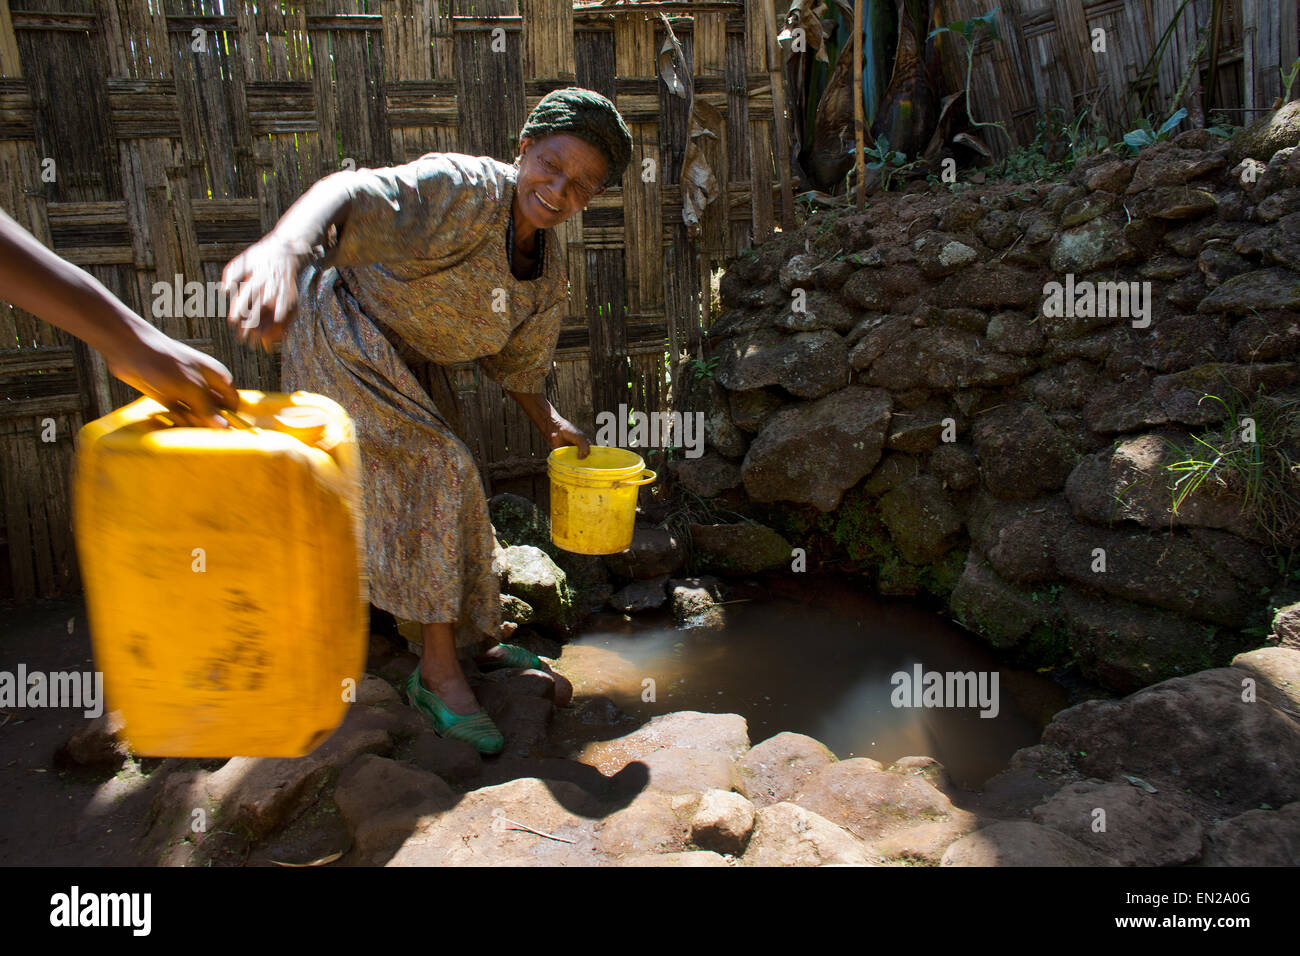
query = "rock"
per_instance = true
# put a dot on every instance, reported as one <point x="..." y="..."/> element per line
<point x="939" y="255"/>
<point x="1020" y="843"/>
<point x="375" y="690"/>
<point x="706" y="476"/>
<point x="814" y="451"/>
<point x="380" y="800"/>
<point x="1015" y="334"/>
<point x="926" y="767"/>
<point x="1124" y="645"/>
<point x="1018" y="537"/>
<point x="997" y="229"/>
<point x="920" y="518"/>
<point x="1099" y="244"/>
<point x="516" y="609"/>
<point x="1132" y="481"/>
<point x="917" y="430"/>
<point x="524" y="722"/>
<point x="1085" y="210"/>
<point x="451" y="760"/>
<point x="1286" y="626"/>
<point x="788" y="835"/>
<point x="1175" y="202"/>
<point x="1267" y="336"/>
<point x="875" y="335"/>
<point x="779" y="767"/>
<point x="806" y="364"/>
<point x="530" y="573"/>
<point x="482" y="828"/>
<point x="872" y="804"/>
<point x="1113" y="176"/>
<point x="727" y="734"/>
<point x="695" y="601"/>
<point x="797" y="272"/>
<point x="751" y="409"/>
<point x="96" y="742"/>
<point x="1256" y="838"/>
<point x="999" y="612"/>
<point x="1219" y="263"/>
<point x="923" y="844"/>
<point x="1190" y="733"/>
<point x="723" y="822"/>
<point x="703" y="398"/>
<point x="1207" y="574"/>
<point x="1022" y="454"/>
<point x="653" y="552"/>
<point x="1278" y="205"/>
<point x="519" y="521"/>
<point x="1277" y="669"/>
<point x="986" y="285"/>
<point x="742" y="548"/>
<point x="641" y="595"/>
<point x="688" y="770"/>
<point x="685" y="858"/>
<point x="956" y="465"/>
<point x="942" y="358"/>
<point x="654" y="822"/>
<point x="1260" y="291"/>
<point x="1140" y="829"/>
<point x="820" y="311"/>
<point x="1266" y="135"/>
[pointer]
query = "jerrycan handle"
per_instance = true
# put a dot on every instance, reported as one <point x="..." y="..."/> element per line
<point x="642" y="479"/>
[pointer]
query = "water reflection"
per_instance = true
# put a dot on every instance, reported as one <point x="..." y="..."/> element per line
<point x="817" y="657"/>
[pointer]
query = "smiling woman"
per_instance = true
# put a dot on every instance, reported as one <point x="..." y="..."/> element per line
<point x="444" y="260"/>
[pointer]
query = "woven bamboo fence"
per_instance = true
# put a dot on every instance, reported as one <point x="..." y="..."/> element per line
<point x="1047" y="57"/>
<point x="147" y="139"/>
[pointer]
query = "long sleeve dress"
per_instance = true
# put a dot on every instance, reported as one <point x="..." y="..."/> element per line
<point x="424" y="251"/>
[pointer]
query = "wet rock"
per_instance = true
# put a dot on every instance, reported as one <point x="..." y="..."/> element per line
<point x="742" y="548"/>
<point x="779" y="767"/>
<point x="653" y="552"/>
<point x="999" y="612"/>
<point x="723" y="822"/>
<point x="451" y="760"/>
<point x="641" y="595"/>
<point x="814" y="451"/>
<point x="1140" y="829"/>
<point x="1194" y="733"/>
<point x="1131" y="481"/>
<point x="1256" y="838"/>
<point x="1021" y="453"/>
<point x="1021" y="843"/>
<point x="788" y="835"/>
<point x="920" y="518"/>
<point x="806" y="364"/>
<point x="530" y="573"/>
<point x="1260" y="291"/>
<point x="695" y="601"/>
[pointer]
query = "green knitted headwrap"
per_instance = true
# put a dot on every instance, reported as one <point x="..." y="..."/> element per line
<point x="588" y="115"/>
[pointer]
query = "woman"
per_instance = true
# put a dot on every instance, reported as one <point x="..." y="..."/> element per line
<point x="446" y="259"/>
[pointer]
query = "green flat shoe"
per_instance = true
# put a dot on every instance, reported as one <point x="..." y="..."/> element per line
<point x="516" y="656"/>
<point x="476" y="729"/>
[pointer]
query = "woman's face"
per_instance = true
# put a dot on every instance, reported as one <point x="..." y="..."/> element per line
<point x="560" y="171"/>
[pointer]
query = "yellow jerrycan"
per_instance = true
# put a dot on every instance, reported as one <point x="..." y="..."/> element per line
<point x="224" y="572"/>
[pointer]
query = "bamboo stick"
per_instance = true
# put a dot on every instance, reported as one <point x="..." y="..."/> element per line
<point x="778" y="117"/>
<point x="859" y="160"/>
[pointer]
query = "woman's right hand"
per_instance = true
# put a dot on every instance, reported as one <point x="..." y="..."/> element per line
<point x="261" y="284"/>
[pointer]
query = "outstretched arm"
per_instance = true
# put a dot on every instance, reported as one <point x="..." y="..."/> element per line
<point x="191" y="384"/>
<point x="556" y="430"/>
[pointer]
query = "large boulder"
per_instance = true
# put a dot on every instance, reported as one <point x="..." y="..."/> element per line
<point x="743" y="548"/>
<point x="1124" y="822"/>
<point x="812" y="452"/>
<point x="806" y="364"/>
<point x="780" y="767"/>
<point x="1266" y="135"/>
<point x="530" y="574"/>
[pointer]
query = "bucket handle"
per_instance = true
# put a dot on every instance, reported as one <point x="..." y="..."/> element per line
<point x="641" y="480"/>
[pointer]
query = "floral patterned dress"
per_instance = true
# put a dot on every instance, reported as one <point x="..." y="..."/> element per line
<point x="424" y="252"/>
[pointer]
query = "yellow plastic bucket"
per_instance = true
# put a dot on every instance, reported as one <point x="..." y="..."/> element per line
<point x="593" y="499"/>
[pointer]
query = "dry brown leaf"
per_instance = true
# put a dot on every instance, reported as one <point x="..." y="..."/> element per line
<point x="330" y="858"/>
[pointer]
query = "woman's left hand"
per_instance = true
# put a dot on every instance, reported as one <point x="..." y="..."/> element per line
<point x="562" y="432"/>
